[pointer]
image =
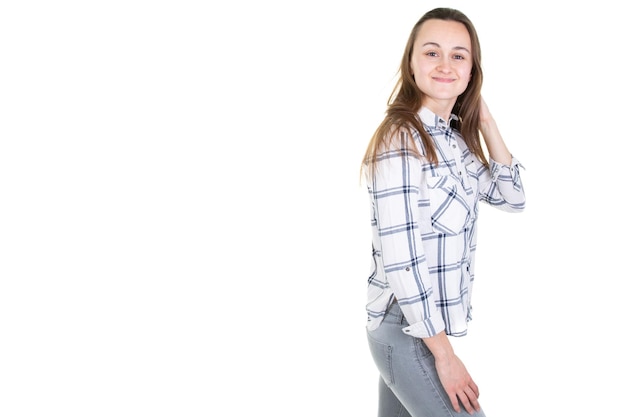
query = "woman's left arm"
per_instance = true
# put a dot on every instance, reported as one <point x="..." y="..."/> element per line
<point x="495" y="144"/>
<point x="500" y="184"/>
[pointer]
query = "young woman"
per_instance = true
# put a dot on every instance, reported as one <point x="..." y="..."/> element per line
<point x="426" y="173"/>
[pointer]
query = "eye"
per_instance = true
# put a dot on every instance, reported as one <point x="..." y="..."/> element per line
<point x="431" y="53"/>
<point x="460" y="57"/>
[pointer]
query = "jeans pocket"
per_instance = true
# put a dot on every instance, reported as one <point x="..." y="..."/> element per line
<point x="381" y="353"/>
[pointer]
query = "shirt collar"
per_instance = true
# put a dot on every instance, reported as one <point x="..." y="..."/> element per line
<point x="430" y="119"/>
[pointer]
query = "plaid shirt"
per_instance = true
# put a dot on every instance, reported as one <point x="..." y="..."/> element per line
<point x="424" y="228"/>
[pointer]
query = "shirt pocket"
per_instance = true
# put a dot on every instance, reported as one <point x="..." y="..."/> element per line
<point x="449" y="211"/>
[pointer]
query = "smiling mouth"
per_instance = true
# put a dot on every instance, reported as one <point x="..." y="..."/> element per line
<point x="443" y="80"/>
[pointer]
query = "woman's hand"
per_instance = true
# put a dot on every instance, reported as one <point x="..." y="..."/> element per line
<point x="453" y="375"/>
<point x="458" y="384"/>
<point x="484" y="113"/>
<point x="489" y="130"/>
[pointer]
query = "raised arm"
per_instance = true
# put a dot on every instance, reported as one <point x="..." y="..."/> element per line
<point x="489" y="129"/>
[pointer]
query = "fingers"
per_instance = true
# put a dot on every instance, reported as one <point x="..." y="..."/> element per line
<point x="469" y="399"/>
<point x="455" y="403"/>
<point x="474" y="388"/>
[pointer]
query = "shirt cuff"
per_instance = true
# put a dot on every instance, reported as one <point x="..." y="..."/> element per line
<point x="496" y="169"/>
<point x="427" y="328"/>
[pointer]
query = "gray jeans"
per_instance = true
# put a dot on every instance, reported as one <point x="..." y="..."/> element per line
<point x="409" y="385"/>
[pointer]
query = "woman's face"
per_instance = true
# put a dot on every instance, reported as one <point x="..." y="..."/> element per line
<point x="442" y="62"/>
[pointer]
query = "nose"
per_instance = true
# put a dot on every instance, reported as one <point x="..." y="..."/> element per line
<point x="444" y="65"/>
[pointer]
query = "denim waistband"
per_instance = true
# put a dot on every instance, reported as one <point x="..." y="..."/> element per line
<point x="394" y="313"/>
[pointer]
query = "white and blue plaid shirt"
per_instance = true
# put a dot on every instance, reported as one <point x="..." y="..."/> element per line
<point x="424" y="228"/>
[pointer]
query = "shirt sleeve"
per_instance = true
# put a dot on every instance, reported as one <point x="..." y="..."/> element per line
<point x="396" y="194"/>
<point x="501" y="186"/>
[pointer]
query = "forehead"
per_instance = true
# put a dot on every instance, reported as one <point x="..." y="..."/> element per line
<point x="445" y="33"/>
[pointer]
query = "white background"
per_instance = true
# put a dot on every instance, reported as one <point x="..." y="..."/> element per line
<point x="183" y="231"/>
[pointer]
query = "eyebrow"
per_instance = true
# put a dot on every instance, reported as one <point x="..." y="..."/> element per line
<point x="439" y="46"/>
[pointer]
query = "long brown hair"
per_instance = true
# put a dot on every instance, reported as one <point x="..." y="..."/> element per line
<point x="406" y="100"/>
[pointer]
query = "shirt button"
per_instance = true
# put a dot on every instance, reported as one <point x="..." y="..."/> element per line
<point x="453" y="146"/>
<point x="407" y="269"/>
